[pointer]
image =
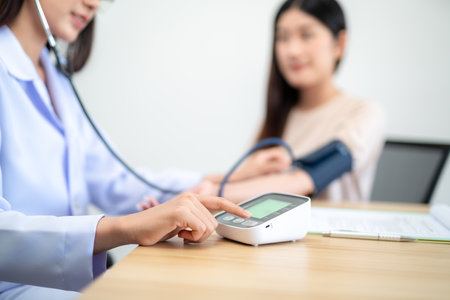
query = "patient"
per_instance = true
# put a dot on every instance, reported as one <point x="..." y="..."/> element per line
<point x="307" y="110"/>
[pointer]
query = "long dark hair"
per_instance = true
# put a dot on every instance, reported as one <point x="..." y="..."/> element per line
<point x="281" y="97"/>
<point x="77" y="53"/>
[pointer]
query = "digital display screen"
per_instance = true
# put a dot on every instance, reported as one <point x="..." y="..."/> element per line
<point x="266" y="207"/>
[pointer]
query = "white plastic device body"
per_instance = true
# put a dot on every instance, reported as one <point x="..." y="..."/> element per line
<point x="290" y="225"/>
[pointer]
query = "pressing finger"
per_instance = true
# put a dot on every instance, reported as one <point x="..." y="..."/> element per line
<point x="212" y="202"/>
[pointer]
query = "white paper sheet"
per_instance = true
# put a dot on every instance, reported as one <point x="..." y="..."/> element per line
<point x="414" y="225"/>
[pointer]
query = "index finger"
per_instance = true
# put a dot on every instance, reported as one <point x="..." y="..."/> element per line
<point x="212" y="202"/>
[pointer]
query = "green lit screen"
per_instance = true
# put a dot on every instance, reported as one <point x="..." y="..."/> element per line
<point x="266" y="207"/>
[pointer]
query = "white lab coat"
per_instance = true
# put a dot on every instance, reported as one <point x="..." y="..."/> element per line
<point x="52" y="166"/>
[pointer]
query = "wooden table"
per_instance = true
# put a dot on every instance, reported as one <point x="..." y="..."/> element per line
<point x="314" y="268"/>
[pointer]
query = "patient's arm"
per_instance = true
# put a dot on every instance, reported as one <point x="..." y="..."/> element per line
<point x="295" y="182"/>
<point x="313" y="173"/>
<point x="262" y="162"/>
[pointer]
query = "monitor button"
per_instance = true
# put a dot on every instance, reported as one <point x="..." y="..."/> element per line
<point x="238" y="220"/>
<point x="250" y="223"/>
<point x="228" y="218"/>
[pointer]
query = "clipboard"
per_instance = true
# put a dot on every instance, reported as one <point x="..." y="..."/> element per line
<point x="426" y="227"/>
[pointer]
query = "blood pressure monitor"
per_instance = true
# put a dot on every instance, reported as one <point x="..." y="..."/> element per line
<point x="275" y="218"/>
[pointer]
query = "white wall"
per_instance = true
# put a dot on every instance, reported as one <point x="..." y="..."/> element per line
<point x="182" y="83"/>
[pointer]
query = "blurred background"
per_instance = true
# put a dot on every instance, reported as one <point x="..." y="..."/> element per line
<point x="182" y="83"/>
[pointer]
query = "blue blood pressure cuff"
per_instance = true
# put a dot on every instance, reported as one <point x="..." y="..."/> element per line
<point x="326" y="164"/>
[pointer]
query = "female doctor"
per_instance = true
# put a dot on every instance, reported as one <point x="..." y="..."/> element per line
<point x="52" y="165"/>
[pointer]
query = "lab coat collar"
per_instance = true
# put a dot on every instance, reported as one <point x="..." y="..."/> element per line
<point x="13" y="56"/>
<point x="57" y="86"/>
<point x="20" y="66"/>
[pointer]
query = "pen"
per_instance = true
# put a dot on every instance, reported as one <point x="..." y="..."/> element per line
<point x="368" y="236"/>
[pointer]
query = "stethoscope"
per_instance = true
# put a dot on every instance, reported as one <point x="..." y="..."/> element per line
<point x="68" y="75"/>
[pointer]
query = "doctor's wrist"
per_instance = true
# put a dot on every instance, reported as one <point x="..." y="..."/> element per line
<point x="111" y="232"/>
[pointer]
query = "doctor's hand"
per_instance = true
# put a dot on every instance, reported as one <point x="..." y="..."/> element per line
<point x="186" y="215"/>
<point x="148" y="202"/>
